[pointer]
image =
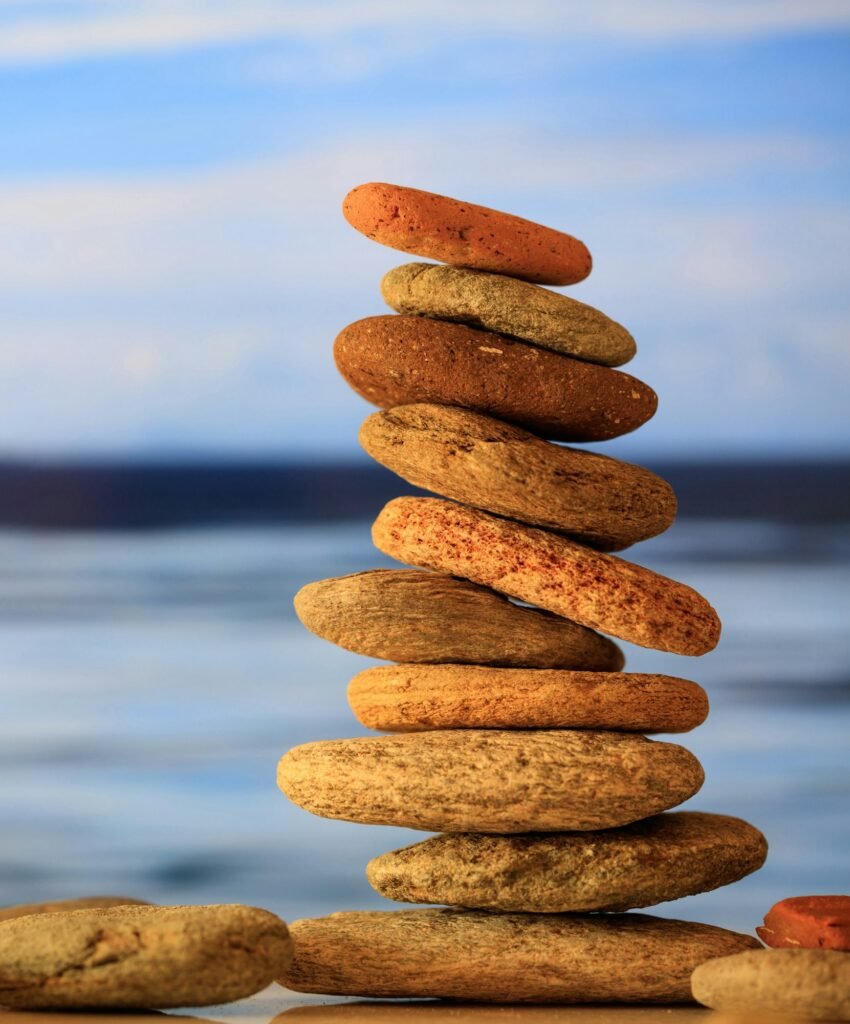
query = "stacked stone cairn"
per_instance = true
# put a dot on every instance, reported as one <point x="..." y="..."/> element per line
<point x="508" y="725"/>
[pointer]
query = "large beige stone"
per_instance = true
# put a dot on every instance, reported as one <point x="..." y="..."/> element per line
<point x="140" y="956"/>
<point x="411" y="616"/>
<point x="496" y="302"/>
<point x="812" y="984"/>
<point x="639" y="865"/>
<point x="481" y="461"/>
<point x="410" y="698"/>
<point x="478" y="780"/>
<point x="599" y="591"/>
<point x="504" y="958"/>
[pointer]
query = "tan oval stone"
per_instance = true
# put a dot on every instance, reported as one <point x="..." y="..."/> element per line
<point x="477" y="780"/>
<point x="504" y="304"/>
<point x="140" y="957"/>
<point x="500" y="468"/>
<point x="504" y="958"/>
<point x="412" y="698"/>
<point x="597" y="590"/>
<point x="401" y="360"/>
<point x="639" y="865"/>
<point x="412" y="616"/>
<point x="813" y="984"/>
<point x="57" y="906"/>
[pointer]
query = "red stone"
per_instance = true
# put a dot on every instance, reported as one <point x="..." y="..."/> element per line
<point x="808" y="922"/>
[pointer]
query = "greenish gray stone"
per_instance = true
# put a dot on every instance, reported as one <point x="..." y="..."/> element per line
<point x="504" y="304"/>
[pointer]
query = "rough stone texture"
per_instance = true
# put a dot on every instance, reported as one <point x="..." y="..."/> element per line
<point x="399" y="360"/>
<point x="597" y="590"/>
<point x="464" y="234"/>
<point x="480" y="780"/>
<point x="56" y="906"/>
<point x="502" y="468"/>
<point x="411" y="698"/>
<point x="809" y="922"/>
<point x="412" y="616"/>
<point x="504" y="304"/>
<point x="639" y="865"/>
<point x="504" y="958"/>
<point x="140" y="956"/>
<point x="811" y="983"/>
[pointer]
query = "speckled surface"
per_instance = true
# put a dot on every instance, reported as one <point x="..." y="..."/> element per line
<point x="398" y="360"/>
<point x="640" y="865"/>
<point x="598" y="590"/>
<point x="491" y="780"/>
<point x="414" y="697"/>
<point x="504" y="304"/>
<point x="511" y="958"/>
<point x="465" y="234"/>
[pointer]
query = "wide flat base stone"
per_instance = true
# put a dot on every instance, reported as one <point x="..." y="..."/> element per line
<point x="504" y="958"/>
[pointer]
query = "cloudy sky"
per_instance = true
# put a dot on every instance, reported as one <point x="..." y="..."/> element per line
<point x="174" y="266"/>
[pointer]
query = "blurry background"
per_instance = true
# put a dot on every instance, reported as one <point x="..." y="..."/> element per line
<point x="178" y="455"/>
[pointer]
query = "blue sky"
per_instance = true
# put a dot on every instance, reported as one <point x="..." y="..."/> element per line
<point x="174" y="266"/>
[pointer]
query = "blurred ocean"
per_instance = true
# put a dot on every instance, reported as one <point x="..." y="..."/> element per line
<point x="149" y="682"/>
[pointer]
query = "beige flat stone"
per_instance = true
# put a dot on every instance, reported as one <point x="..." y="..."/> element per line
<point x="411" y="616"/>
<point x="496" y="302"/>
<point x="477" y="780"/>
<point x="504" y="958"/>
<point x="140" y="957"/>
<point x="57" y="906"/>
<point x="811" y="983"/>
<point x="491" y="465"/>
<point x="545" y="569"/>
<point x="412" y="698"/>
<point x="639" y="865"/>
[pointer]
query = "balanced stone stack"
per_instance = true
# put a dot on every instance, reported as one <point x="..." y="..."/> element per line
<point x="510" y="727"/>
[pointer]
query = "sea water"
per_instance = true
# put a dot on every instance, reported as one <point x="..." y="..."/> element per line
<point x="149" y="683"/>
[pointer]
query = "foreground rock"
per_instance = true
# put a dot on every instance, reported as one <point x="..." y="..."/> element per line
<point x="501" y="468"/>
<point x="597" y="590"/>
<point x="465" y="234"/>
<point x="504" y="304"/>
<point x="410" y="698"/>
<point x="810" y="983"/>
<point x="401" y="360"/>
<point x="140" y="957"/>
<point x="479" y="780"/>
<point x="411" y="616"/>
<point x="57" y="906"/>
<point x="503" y="958"/>
<point x="640" y="865"/>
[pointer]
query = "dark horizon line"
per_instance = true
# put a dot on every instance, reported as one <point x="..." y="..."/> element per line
<point x="161" y="495"/>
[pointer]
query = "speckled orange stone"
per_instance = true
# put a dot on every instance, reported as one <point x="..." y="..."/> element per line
<point x="464" y="234"/>
<point x="596" y="590"/>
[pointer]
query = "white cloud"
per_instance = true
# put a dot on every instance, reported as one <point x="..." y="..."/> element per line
<point x="35" y="34"/>
<point x="199" y="308"/>
<point x="262" y="222"/>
